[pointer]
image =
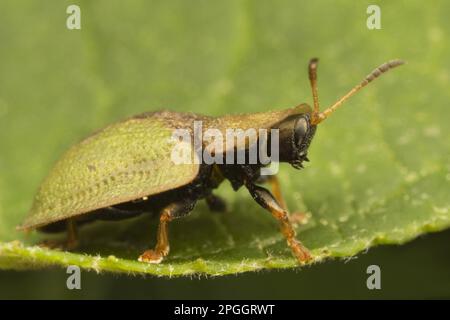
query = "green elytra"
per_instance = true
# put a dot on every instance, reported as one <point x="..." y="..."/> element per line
<point x="131" y="160"/>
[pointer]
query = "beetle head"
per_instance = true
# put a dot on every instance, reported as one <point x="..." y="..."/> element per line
<point x="296" y="132"/>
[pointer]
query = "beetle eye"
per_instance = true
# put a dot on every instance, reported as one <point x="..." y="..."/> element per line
<point x="300" y="130"/>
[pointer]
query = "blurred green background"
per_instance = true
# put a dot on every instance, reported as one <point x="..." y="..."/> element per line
<point x="214" y="57"/>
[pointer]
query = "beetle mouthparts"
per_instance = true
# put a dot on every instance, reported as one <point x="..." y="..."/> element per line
<point x="297" y="164"/>
<point x="318" y="117"/>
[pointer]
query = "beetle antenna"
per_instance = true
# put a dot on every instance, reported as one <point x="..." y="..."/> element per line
<point x="319" y="117"/>
<point x="312" y="71"/>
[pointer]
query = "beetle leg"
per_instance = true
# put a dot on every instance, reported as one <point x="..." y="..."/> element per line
<point x="216" y="203"/>
<point x="297" y="217"/>
<point x="72" y="234"/>
<point x="266" y="200"/>
<point x="275" y="186"/>
<point x="274" y="182"/>
<point x="162" y="242"/>
<point x="276" y="189"/>
<point x="172" y="211"/>
<point x="71" y="241"/>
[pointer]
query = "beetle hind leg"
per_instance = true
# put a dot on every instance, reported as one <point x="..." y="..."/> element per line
<point x="162" y="248"/>
<point x="72" y="235"/>
<point x="71" y="241"/>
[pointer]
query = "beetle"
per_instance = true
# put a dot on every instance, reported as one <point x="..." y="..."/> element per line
<point x="125" y="170"/>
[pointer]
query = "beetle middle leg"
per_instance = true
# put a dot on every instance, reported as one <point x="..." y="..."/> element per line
<point x="216" y="203"/>
<point x="266" y="200"/>
<point x="170" y="212"/>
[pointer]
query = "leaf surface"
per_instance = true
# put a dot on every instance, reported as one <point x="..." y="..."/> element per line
<point x="379" y="166"/>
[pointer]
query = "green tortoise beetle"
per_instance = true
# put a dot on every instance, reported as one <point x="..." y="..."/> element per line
<point x="126" y="169"/>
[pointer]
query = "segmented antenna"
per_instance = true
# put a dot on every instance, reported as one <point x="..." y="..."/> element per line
<point x="318" y="117"/>
<point x="312" y="71"/>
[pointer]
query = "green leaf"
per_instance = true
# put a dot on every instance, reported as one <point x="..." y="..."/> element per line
<point x="379" y="166"/>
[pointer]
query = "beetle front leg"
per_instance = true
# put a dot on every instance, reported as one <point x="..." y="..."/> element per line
<point x="275" y="186"/>
<point x="266" y="200"/>
<point x="172" y="211"/>
<point x="274" y="182"/>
